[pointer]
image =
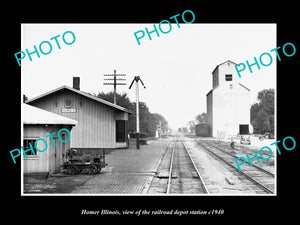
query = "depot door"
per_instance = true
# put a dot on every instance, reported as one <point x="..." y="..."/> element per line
<point x="57" y="157"/>
<point x="120" y="131"/>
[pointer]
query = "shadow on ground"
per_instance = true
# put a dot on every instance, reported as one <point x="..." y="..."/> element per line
<point x="59" y="184"/>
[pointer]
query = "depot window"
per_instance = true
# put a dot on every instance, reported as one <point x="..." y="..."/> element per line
<point x="26" y="146"/>
<point x="228" y="77"/>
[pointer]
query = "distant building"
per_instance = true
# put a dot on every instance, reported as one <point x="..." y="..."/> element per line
<point x="228" y="103"/>
<point x="101" y="124"/>
<point x="38" y="123"/>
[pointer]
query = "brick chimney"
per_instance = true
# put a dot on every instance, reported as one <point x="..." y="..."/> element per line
<point x="76" y="83"/>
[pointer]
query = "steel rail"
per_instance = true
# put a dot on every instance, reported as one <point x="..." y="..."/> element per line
<point x="163" y="155"/>
<point x="200" y="177"/>
<point x="246" y="175"/>
<point x="257" y="167"/>
<point x="171" y="168"/>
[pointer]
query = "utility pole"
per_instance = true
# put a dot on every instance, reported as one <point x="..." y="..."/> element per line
<point x="114" y="79"/>
<point x="136" y="80"/>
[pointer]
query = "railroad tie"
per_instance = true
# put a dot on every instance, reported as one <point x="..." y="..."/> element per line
<point x="229" y="181"/>
<point x="165" y="175"/>
<point x="195" y="175"/>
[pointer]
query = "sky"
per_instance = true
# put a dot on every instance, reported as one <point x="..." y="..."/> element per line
<point x="176" y="67"/>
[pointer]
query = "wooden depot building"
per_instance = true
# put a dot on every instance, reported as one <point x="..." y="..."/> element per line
<point x="101" y="124"/>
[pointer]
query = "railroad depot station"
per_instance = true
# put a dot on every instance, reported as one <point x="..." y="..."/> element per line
<point x="174" y="163"/>
<point x="103" y="124"/>
<point x="99" y="124"/>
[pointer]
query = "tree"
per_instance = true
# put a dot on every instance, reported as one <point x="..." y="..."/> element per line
<point x="191" y="125"/>
<point x="262" y="112"/>
<point x="122" y="99"/>
<point x="160" y="121"/>
<point x="201" y="118"/>
<point x="148" y="120"/>
<point x="145" y="119"/>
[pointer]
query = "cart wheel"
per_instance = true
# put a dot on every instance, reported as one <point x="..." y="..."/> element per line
<point x="73" y="170"/>
<point x="99" y="169"/>
<point x="92" y="169"/>
<point x="261" y="138"/>
<point x="69" y="170"/>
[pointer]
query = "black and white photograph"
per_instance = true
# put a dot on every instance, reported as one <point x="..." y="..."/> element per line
<point x="168" y="116"/>
<point x="167" y="113"/>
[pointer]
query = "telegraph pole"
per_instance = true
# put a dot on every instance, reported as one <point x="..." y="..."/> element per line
<point x="136" y="80"/>
<point x="114" y="79"/>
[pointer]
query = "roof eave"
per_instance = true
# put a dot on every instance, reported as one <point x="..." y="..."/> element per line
<point x="81" y="93"/>
<point x="244" y="87"/>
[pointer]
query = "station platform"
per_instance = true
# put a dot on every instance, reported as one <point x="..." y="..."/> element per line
<point x="129" y="171"/>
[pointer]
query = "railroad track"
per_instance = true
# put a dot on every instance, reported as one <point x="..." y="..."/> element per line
<point x="177" y="172"/>
<point x="258" y="176"/>
<point x="240" y="149"/>
<point x="251" y="155"/>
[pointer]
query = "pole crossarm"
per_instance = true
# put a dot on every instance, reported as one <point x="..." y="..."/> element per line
<point x="114" y="79"/>
<point x="114" y="75"/>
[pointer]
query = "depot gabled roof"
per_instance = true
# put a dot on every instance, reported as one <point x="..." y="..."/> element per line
<point x="34" y="115"/>
<point x="83" y="94"/>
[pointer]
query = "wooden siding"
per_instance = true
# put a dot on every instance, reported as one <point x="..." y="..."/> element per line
<point x="96" y="126"/>
<point x="121" y="116"/>
<point x="52" y="158"/>
<point x="40" y="162"/>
